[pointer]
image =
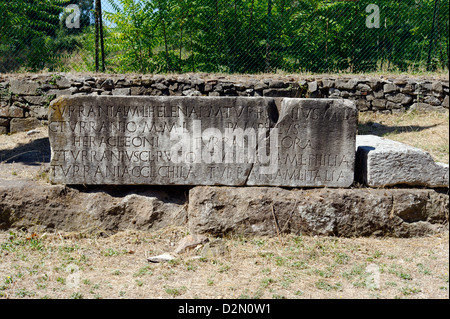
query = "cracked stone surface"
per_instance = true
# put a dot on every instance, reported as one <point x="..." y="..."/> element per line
<point x="231" y="141"/>
<point x="223" y="211"/>
<point x="314" y="138"/>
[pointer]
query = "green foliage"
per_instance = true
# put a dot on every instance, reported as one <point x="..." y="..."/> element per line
<point x="249" y="36"/>
<point x="243" y="36"/>
<point x="27" y="28"/>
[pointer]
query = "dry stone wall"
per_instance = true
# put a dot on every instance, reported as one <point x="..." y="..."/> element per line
<point x="24" y="99"/>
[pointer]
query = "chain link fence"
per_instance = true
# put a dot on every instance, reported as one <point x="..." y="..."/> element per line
<point x="234" y="36"/>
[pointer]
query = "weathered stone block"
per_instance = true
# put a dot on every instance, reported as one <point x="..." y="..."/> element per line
<point x="424" y="107"/>
<point x="62" y="82"/>
<point x="58" y="93"/>
<point x="4" y="111"/>
<point x="390" y="88"/>
<point x="202" y="141"/>
<point x="379" y="104"/>
<point x="313" y="139"/>
<point x="445" y="103"/>
<point x="15" y="111"/>
<point x="432" y="101"/>
<point x="39" y="112"/>
<point x="269" y="211"/>
<point x="23" y="124"/>
<point x="327" y="83"/>
<point x="108" y="85"/>
<point x="155" y="140"/>
<point x="4" y="122"/>
<point x="312" y="86"/>
<point x="276" y="84"/>
<point x="36" y="100"/>
<point x="124" y="91"/>
<point x="21" y="87"/>
<point x="383" y="162"/>
<point x="396" y="98"/>
<point x="346" y="85"/>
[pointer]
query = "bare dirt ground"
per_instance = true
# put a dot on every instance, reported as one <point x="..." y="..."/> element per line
<point x="72" y="265"/>
<point x="62" y="265"/>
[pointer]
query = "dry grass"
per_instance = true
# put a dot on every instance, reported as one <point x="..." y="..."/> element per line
<point x="428" y="131"/>
<point x="66" y="265"/>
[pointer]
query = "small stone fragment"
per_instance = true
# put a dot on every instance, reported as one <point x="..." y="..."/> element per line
<point x="161" y="258"/>
<point x="190" y="242"/>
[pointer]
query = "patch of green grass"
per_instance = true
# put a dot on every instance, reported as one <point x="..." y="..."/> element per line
<point x="22" y="240"/>
<point x="407" y="291"/>
<point x="76" y="295"/>
<point x="265" y="282"/>
<point x="266" y="254"/>
<point x="68" y="248"/>
<point x="324" y="285"/>
<point x="110" y="252"/>
<point x="260" y="242"/>
<point x="280" y="261"/>
<point x="266" y="270"/>
<point x="377" y="254"/>
<point x="25" y="293"/>
<point x="146" y="270"/>
<point x="398" y="271"/>
<point x="87" y="282"/>
<point x="357" y="270"/>
<point x="224" y="268"/>
<point x="286" y="281"/>
<point x="341" y="258"/>
<point x="174" y="292"/>
<point x="423" y="269"/>
<point x="174" y="262"/>
<point x="298" y="240"/>
<point x="299" y="265"/>
<point x="327" y="273"/>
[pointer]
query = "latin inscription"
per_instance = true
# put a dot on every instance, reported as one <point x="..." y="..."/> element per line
<point x="198" y="141"/>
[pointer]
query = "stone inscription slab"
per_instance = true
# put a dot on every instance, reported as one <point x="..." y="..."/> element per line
<point x="314" y="139"/>
<point x="230" y="141"/>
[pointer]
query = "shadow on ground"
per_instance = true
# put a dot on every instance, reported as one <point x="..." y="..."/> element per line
<point x="34" y="153"/>
<point x="371" y="128"/>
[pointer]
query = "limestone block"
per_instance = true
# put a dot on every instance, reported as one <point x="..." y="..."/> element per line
<point x="202" y="141"/>
<point x="269" y="211"/>
<point x="124" y="91"/>
<point x="346" y="85"/>
<point x="390" y="87"/>
<point x="314" y="140"/>
<point x="23" y="124"/>
<point x="155" y="140"/>
<point x="21" y="87"/>
<point x="383" y="162"/>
